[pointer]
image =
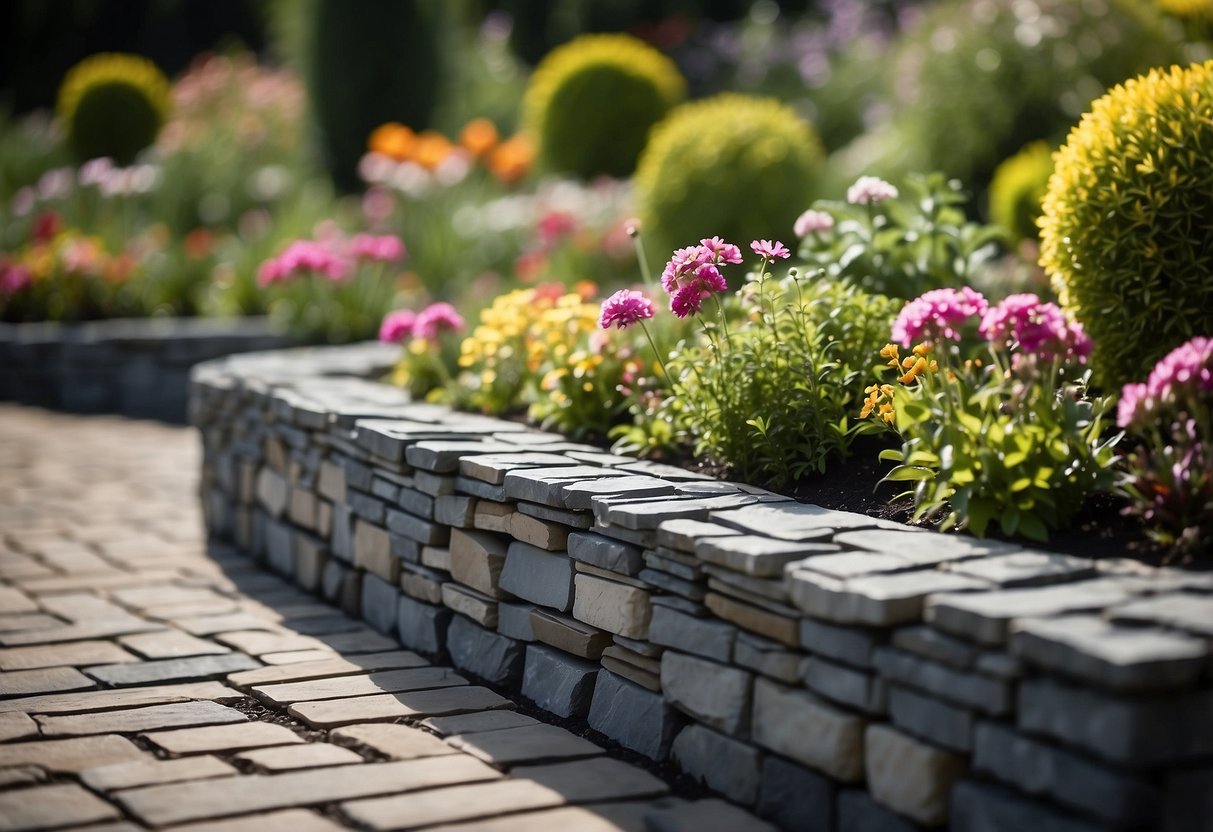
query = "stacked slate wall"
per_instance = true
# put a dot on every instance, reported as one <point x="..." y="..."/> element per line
<point x="828" y="669"/>
<point x="135" y="367"/>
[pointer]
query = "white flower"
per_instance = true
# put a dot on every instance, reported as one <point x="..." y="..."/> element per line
<point x="868" y="190"/>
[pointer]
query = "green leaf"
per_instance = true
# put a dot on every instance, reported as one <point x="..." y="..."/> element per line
<point x="908" y="472"/>
<point x="890" y="455"/>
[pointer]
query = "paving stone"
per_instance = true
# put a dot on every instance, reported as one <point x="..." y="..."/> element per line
<point x="45" y="680"/>
<point x="397" y="742"/>
<point x="599" y="778"/>
<point x="170" y="644"/>
<point x="648" y="515"/>
<point x="480" y="608"/>
<point x="96" y="700"/>
<point x="754" y="619"/>
<point x="16" y="726"/>
<point x="768" y="658"/>
<point x="150" y="771"/>
<point x="178" y="802"/>
<point x="514" y="621"/>
<point x="71" y="755"/>
<point x="794" y="797"/>
<point x="289" y="758"/>
<point x="483" y="721"/>
<point x="362" y="640"/>
<point x="294" y="656"/>
<point x="87" y="631"/>
<point x="689" y="634"/>
<point x="537" y="576"/>
<point x="974" y="690"/>
<point x="450" y="805"/>
<point x="683" y="534"/>
<point x="21" y="776"/>
<point x="715" y="694"/>
<point x="801" y="726"/>
<point x="222" y="738"/>
<point x="422" y="626"/>
<point x="256" y="642"/>
<point x="909" y="776"/>
<point x="1161" y="730"/>
<point x="982" y="807"/>
<point x="845" y="685"/>
<point x="1046" y="771"/>
<point x="720" y="763"/>
<point x="605" y="553"/>
<point x="525" y="744"/>
<point x="569" y="635"/>
<point x="42" y="807"/>
<point x="485" y="654"/>
<point x="379" y="600"/>
<point x="636" y="718"/>
<point x="209" y="625"/>
<point x="557" y="682"/>
<point x="28" y="621"/>
<point x="13" y="601"/>
<point x="333" y="713"/>
<point x="172" y="670"/>
<point x="330" y="665"/>
<point x="1193" y="613"/>
<point x="858" y="812"/>
<point x="986" y="617"/>
<point x="1126" y="659"/>
<point x="477" y="559"/>
<point x="704" y="816"/>
<point x="873" y="600"/>
<point x="338" y="687"/>
<point x="296" y="820"/>
<point x="147" y="718"/>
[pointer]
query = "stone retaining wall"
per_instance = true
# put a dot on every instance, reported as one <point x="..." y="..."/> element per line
<point x="831" y="670"/>
<point x="136" y="367"/>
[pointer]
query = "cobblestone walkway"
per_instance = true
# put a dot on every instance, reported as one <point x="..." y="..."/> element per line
<point x="146" y="682"/>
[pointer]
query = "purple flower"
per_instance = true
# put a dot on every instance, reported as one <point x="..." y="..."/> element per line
<point x="624" y="308"/>
<point x="1039" y="328"/>
<point x="386" y="248"/>
<point x="811" y="221"/>
<point x="869" y="190"/>
<point x="1185" y="372"/>
<point x="693" y="274"/>
<point x="436" y="319"/>
<point x="937" y="314"/>
<point x="770" y="250"/>
<point x="397" y="326"/>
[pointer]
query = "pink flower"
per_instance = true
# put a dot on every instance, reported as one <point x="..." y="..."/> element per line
<point x="436" y="319"/>
<point x="869" y="190"/>
<point x="721" y="251"/>
<point x="13" y="278"/>
<point x="397" y="326"/>
<point x="1186" y="372"/>
<point x="386" y="248"/>
<point x="693" y="274"/>
<point x="937" y="314"/>
<point x="811" y="221"/>
<point x="769" y="250"/>
<point x="1134" y="403"/>
<point x="555" y="226"/>
<point x="624" y="308"/>
<point x="1039" y="328"/>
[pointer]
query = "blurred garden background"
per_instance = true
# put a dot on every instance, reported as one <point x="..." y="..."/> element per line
<point x="490" y="170"/>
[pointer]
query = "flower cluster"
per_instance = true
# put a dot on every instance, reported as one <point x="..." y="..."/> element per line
<point x="693" y="274"/>
<point x="624" y="308"/>
<point x="812" y="221"/>
<point x="410" y="161"/>
<point x="336" y="258"/>
<point x="401" y="324"/>
<point x="1037" y="327"/>
<point x="937" y="314"/>
<point x="1184" y="373"/>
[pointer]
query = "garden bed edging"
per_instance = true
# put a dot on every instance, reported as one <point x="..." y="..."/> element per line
<point x="828" y="669"/>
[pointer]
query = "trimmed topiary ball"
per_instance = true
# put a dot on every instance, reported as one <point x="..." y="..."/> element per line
<point x="112" y="104"/>
<point x="735" y="166"/>
<point x="591" y="103"/>
<point x="1127" y="231"/>
<point x="1018" y="186"/>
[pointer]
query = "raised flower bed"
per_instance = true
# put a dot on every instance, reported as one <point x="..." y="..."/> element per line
<point x="829" y="669"/>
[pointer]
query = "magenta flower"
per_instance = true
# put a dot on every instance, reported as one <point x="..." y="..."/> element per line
<point x="398" y="325"/>
<point x="770" y="250"/>
<point x="1186" y="372"/>
<point x="721" y="251"/>
<point x="307" y="257"/>
<point x="869" y="190"/>
<point x="13" y="278"/>
<point x="386" y="248"/>
<point x="937" y="314"/>
<point x="436" y="319"/>
<point x="693" y="274"/>
<point x="1039" y="328"/>
<point x="811" y="221"/>
<point x="624" y="308"/>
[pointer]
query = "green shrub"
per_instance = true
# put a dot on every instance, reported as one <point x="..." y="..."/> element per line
<point x="367" y="63"/>
<point x="1127" y="231"/>
<point x="731" y="165"/>
<point x="591" y="103"/>
<point x="976" y="80"/>
<point x="1018" y="186"/>
<point x="112" y="104"/>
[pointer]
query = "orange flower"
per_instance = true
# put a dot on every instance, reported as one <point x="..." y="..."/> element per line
<point x="199" y="243"/>
<point x="478" y="136"/>
<point x="431" y="149"/>
<point x="393" y="140"/>
<point x="511" y="160"/>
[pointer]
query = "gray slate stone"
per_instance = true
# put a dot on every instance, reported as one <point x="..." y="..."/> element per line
<point x="496" y="659"/>
<point x="858" y="812"/>
<point x="849" y="645"/>
<point x="194" y="668"/>
<point x="648" y="515"/>
<point x="768" y="658"/>
<point x="694" y="590"/>
<point x="722" y="764"/>
<point x="605" y="553"/>
<point x="682" y="535"/>
<point x="978" y="807"/>
<point x="543" y="578"/>
<point x="794" y="797"/>
<point x="925" y="549"/>
<point x="422" y="627"/>
<point x="857" y="689"/>
<point x="796" y="521"/>
<point x="379" y="603"/>
<point x="514" y="621"/>
<point x="1025" y="568"/>
<point x="1183" y="611"/>
<point x="558" y="682"/>
<point x="973" y="690"/>
<point x="873" y="600"/>
<point x="579" y="495"/>
<point x="759" y="556"/>
<point x="715" y="694"/>
<point x="924" y="640"/>
<point x="635" y="718"/>
<point x="700" y="636"/>
<point x="545" y="485"/>
<point x="931" y="719"/>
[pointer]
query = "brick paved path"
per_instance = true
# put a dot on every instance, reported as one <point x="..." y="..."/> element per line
<point x="148" y="682"/>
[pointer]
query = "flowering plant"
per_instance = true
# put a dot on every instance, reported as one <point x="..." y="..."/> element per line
<point x="427" y="354"/>
<point x="1170" y="473"/>
<point x="1012" y="436"/>
<point x="335" y="287"/>
<point x="894" y="244"/>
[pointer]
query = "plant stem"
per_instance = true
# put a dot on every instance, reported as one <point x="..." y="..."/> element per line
<point x="657" y="355"/>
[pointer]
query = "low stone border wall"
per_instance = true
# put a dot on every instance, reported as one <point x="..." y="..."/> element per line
<point x="135" y="367"/>
<point x="831" y="670"/>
